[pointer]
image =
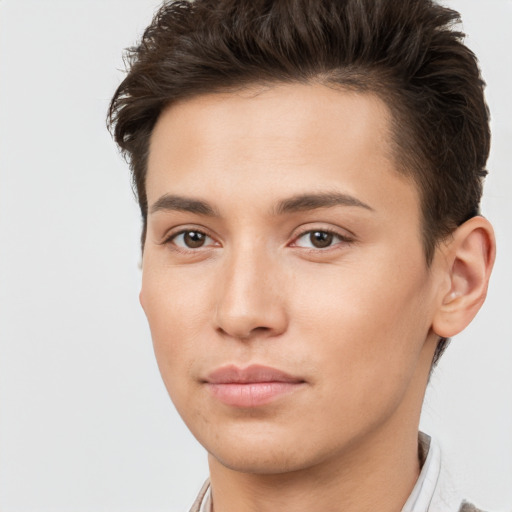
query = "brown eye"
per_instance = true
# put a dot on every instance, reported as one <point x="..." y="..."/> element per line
<point x="194" y="239"/>
<point x="321" y="239"/>
<point x="191" y="239"/>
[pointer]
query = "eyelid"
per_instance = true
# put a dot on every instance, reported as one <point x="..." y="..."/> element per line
<point x="344" y="236"/>
<point x="170" y="235"/>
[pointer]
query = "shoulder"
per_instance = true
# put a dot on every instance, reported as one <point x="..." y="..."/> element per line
<point x="468" y="507"/>
<point x="201" y="503"/>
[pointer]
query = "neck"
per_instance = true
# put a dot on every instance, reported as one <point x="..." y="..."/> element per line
<point x="374" y="475"/>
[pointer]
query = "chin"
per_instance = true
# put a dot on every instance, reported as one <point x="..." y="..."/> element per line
<point x="264" y="452"/>
<point x="260" y="461"/>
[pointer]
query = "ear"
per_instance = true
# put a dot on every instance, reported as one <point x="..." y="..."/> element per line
<point x="469" y="257"/>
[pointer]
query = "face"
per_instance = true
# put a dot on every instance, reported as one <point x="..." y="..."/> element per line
<point x="284" y="278"/>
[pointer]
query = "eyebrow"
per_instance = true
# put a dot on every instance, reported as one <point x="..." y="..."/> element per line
<point x="304" y="202"/>
<point x="183" y="204"/>
<point x="297" y="203"/>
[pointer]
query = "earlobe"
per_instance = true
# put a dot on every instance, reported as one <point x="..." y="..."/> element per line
<point x="470" y="257"/>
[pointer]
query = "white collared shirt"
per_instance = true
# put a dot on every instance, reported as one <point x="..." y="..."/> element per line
<point x="432" y="492"/>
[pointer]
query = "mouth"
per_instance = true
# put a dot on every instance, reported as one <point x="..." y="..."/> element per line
<point x="253" y="386"/>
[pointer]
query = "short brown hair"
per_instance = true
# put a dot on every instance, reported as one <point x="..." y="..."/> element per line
<point x="406" y="52"/>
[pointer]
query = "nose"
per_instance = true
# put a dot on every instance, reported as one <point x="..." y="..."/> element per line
<point x="251" y="302"/>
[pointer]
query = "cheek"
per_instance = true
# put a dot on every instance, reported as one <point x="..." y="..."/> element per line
<point x="175" y="310"/>
<point x="366" y="323"/>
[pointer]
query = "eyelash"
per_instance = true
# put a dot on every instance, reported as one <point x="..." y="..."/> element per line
<point x="169" y="240"/>
<point x="343" y="239"/>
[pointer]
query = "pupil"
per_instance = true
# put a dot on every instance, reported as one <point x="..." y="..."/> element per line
<point x="194" y="239"/>
<point x="321" y="239"/>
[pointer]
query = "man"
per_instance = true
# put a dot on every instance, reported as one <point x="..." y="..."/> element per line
<point x="309" y="175"/>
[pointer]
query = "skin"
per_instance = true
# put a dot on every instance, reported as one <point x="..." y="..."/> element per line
<point x="356" y="319"/>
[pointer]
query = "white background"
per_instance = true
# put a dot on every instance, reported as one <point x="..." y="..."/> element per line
<point x="85" y="423"/>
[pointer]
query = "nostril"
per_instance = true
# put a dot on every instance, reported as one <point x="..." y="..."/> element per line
<point x="257" y="331"/>
<point x="245" y="309"/>
<point x="244" y="334"/>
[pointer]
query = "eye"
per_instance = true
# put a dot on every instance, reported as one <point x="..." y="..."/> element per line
<point x="319" y="239"/>
<point x="191" y="239"/>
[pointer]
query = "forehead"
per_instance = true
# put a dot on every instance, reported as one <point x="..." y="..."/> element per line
<point x="284" y="116"/>
<point x="276" y="141"/>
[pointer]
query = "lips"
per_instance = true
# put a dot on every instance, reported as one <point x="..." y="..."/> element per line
<point x="252" y="386"/>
